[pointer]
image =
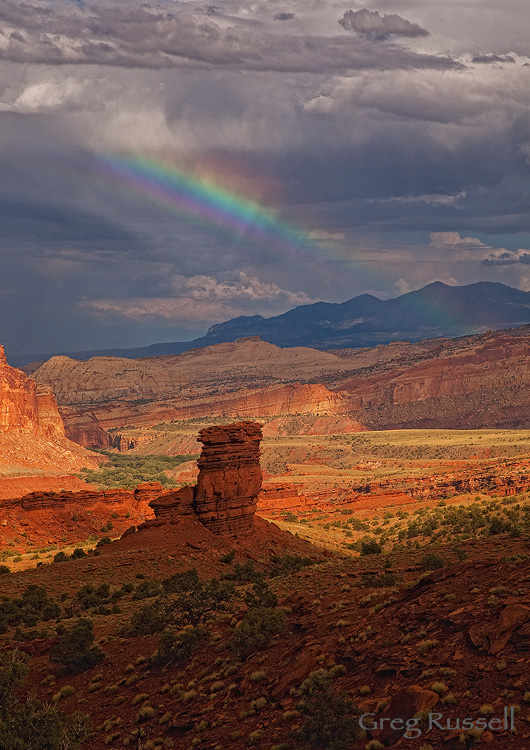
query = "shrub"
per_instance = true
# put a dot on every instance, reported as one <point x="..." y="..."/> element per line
<point x="74" y="650"/>
<point x="4" y="569"/>
<point x="177" y="647"/>
<point x="260" y="596"/>
<point x="228" y="557"/>
<point x="256" y="629"/>
<point x="33" y="606"/>
<point x="371" y="547"/>
<point x="288" y="564"/>
<point x="60" y="557"/>
<point x="104" y="540"/>
<point x="258" y="676"/>
<point x="193" y="601"/>
<point x="32" y="725"/>
<point x="146" y="713"/>
<point x="78" y="552"/>
<point x="330" y="721"/>
<point x="147" y="588"/>
<point x="148" y="620"/>
<point x="245" y="573"/>
<point x="432" y="561"/>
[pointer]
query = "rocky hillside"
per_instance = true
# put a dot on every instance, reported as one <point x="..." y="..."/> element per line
<point x="471" y="382"/>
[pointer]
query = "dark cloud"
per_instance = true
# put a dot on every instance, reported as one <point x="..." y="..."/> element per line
<point x="507" y="258"/>
<point x="374" y="26"/>
<point x="493" y="59"/>
<point x="160" y="37"/>
<point x="284" y="16"/>
<point x="211" y="10"/>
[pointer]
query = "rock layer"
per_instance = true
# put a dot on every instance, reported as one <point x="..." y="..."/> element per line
<point x="26" y="406"/>
<point x="32" y="434"/>
<point x="474" y="382"/>
<point x="229" y="478"/>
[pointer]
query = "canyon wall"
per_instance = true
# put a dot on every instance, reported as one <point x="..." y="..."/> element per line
<point x="26" y="406"/>
<point x="32" y="434"/>
<point x="472" y="382"/>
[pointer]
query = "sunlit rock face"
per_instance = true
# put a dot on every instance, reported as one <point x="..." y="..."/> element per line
<point x="26" y="406"/>
<point x="229" y="478"/>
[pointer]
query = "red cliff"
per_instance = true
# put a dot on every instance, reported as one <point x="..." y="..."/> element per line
<point x="26" y="406"/>
<point x="32" y="433"/>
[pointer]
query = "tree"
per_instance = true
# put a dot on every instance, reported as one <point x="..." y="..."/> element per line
<point x="257" y="628"/>
<point x="330" y="720"/>
<point x="190" y="601"/>
<point x="74" y="650"/>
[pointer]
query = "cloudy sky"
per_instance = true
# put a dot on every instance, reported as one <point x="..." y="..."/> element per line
<point x="169" y="165"/>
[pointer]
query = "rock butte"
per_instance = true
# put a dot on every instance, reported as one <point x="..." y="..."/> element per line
<point x="224" y="500"/>
<point x="229" y="482"/>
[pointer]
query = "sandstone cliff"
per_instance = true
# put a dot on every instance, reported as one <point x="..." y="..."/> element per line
<point x="476" y="381"/>
<point x="26" y="406"/>
<point x="32" y="433"/>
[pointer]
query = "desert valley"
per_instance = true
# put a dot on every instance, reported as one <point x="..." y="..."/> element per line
<point x="264" y="375"/>
<point x="252" y="546"/>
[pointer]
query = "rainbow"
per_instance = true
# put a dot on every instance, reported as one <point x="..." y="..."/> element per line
<point x="203" y="200"/>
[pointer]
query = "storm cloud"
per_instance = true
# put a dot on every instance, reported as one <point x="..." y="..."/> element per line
<point x="374" y="26"/>
<point x="149" y="36"/>
<point x="391" y="149"/>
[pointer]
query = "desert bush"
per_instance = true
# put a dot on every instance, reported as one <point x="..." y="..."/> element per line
<point x="228" y="557"/>
<point x="382" y="580"/>
<point x="260" y="596"/>
<point x="432" y="561"/>
<point x="104" y="540"/>
<point x="30" y="724"/>
<point x="243" y="573"/>
<point x="371" y="547"/>
<point x="177" y="648"/>
<point x="330" y="721"/>
<point x="146" y="589"/>
<point x="194" y="601"/>
<point x="74" y="650"/>
<point x="78" y="552"/>
<point x="89" y="596"/>
<point x="288" y="564"/>
<point x="4" y="569"/>
<point x="60" y="557"/>
<point x="148" y="620"/>
<point x="33" y="607"/>
<point x="256" y="629"/>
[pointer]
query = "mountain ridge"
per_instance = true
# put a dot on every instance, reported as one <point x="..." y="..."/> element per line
<point x="434" y="311"/>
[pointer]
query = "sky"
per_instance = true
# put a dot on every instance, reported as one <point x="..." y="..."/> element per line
<point x="170" y="165"/>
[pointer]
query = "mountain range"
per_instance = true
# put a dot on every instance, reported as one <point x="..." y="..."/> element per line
<point x="437" y="310"/>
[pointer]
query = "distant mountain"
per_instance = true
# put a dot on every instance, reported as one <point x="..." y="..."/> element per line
<point x="436" y="310"/>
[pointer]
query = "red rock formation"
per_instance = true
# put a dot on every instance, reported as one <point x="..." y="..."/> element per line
<point x="26" y="407"/>
<point x="230" y="477"/>
<point x="32" y="433"/>
<point x="224" y="499"/>
<point x="83" y="427"/>
<point x="281" y="497"/>
<point x="225" y="496"/>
